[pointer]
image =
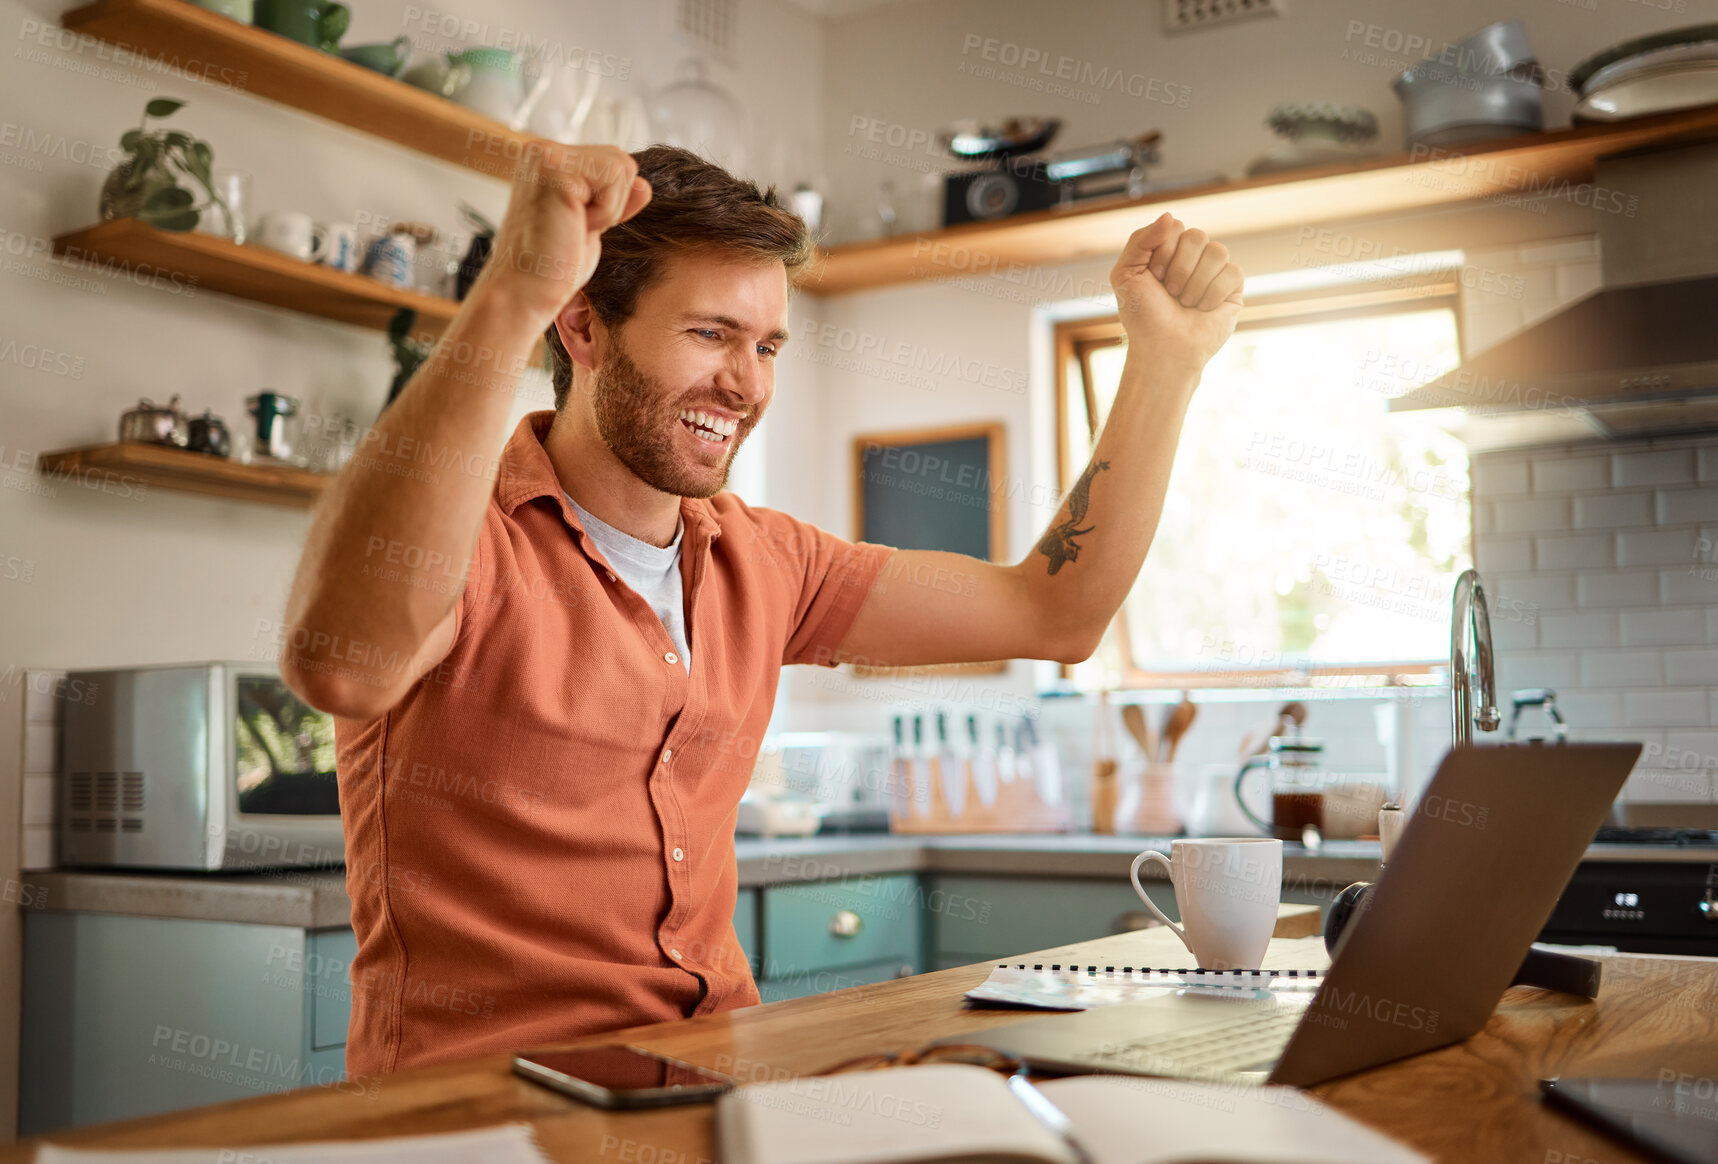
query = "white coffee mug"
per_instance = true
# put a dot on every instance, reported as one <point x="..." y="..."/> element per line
<point x="334" y="244"/>
<point x="1227" y="890"/>
<point x="286" y="231"/>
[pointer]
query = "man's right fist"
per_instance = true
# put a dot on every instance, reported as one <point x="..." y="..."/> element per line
<point x="548" y="244"/>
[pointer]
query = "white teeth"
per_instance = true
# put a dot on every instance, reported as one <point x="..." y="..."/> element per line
<point x="716" y="424"/>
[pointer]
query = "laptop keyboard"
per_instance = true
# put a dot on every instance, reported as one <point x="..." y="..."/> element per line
<point x="1219" y="1048"/>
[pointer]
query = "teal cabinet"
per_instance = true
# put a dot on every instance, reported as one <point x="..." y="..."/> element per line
<point x="830" y="935"/>
<point x="131" y="1016"/>
<point x="978" y="918"/>
<point x="746" y="925"/>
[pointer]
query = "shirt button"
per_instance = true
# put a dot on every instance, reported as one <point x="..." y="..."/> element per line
<point x="679" y="854"/>
<point x="675" y="954"/>
<point x="671" y="657"/>
<point x="667" y="754"/>
<point x="610" y="574"/>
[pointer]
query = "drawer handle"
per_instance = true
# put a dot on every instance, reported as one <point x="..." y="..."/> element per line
<point x="846" y="924"/>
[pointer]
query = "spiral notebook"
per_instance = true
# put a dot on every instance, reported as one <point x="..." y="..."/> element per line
<point x="1058" y="986"/>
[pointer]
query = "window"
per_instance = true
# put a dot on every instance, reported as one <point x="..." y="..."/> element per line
<point x="1309" y="535"/>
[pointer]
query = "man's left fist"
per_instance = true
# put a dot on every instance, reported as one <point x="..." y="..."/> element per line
<point x="1177" y="293"/>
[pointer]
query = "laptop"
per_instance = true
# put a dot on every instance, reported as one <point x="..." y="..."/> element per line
<point x="1480" y="864"/>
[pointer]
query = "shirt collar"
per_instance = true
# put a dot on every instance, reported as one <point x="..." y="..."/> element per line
<point x="526" y="473"/>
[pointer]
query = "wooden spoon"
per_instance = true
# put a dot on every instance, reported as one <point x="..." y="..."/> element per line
<point x="1176" y="724"/>
<point x="1133" y="715"/>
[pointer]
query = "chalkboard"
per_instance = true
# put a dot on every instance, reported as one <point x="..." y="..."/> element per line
<point x="932" y="489"/>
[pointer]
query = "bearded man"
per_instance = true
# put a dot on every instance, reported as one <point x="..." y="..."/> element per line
<point x="551" y="655"/>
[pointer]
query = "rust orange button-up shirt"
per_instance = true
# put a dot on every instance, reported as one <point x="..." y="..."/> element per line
<point x="540" y="835"/>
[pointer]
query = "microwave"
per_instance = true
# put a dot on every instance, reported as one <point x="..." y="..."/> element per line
<point x="199" y="766"/>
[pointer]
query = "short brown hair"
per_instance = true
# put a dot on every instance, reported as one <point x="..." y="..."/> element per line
<point x="694" y="205"/>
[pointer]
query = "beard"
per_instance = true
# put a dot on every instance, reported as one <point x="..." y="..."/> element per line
<point x="636" y="417"/>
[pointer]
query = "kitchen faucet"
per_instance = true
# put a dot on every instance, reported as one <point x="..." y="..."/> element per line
<point x="1470" y="630"/>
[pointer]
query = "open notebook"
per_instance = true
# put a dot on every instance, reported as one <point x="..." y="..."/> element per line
<point x="949" y="1112"/>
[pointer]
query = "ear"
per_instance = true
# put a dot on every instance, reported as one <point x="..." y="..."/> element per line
<point x="577" y="325"/>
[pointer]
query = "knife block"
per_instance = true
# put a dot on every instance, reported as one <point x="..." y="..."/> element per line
<point x="919" y="801"/>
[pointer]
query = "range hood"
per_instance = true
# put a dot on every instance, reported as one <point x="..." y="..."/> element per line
<point x="1639" y="356"/>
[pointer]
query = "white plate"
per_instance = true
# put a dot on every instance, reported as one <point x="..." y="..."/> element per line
<point x="1649" y="61"/>
<point x="1640" y="92"/>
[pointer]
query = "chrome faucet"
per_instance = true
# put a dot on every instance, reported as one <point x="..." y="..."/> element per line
<point x="1470" y="631"/>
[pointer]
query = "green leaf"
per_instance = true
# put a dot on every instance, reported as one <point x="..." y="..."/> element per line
<point x="400" y="326"/>
<point x="202" y="158"/>
<point x="129" y="139"/>
<point x="177" y="138"/>
<point x="183" y="220"/>
<point x="167" y="200"/>
<point x="162" y="107"/>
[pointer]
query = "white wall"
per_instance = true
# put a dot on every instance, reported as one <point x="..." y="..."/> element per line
<point x="114" y="578"/>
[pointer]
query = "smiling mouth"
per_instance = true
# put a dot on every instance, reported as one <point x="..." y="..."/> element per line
<point x="708" y="427"/>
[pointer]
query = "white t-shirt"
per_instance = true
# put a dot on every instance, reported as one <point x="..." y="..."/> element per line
<point x="652" y="571"/>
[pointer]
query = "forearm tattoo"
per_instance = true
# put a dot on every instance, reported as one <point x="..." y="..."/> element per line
<point x="1058" y="542"/>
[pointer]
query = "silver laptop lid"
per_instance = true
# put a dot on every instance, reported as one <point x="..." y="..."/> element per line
<point x="1487" y="852"/>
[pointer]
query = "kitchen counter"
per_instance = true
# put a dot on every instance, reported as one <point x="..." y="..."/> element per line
<point x="316" y="898"/>
<point x="1475" y="1101"/>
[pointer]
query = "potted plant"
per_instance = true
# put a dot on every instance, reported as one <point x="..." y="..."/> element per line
<point x="146" y="184"/>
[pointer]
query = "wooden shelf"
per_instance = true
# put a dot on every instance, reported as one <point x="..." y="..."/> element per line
<point x="187" y="472"/>
<point x="255" y="60"/>
<point x="1509" y="168"/>
<point x="130" y="247"/>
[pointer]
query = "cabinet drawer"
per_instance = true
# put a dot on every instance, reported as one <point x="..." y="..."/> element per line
<point x="824" y="981"/>
<point x="975" y="918"/>
<point x="328" y="983"/>
<point x="851" y="922"/>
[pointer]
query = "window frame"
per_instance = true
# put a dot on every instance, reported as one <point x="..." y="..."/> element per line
<point x="1075" y="340"/>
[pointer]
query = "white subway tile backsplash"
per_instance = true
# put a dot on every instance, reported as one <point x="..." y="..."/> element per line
<point x="1698" y="665"/>
<point x="1514" y="633"/>
<point x="1688" y="585"/>
<point x="1557" y="669"/>
<point x="1576" y="552"/>
<point x="1498" y="555"/>
<point x="1592" y="709"/>
<point x="1660" y="628"/>
<point x="1577" y="629"/>
<point x="1708" y="463"/>
<point x="1655" y="547"/>
<point x="40" y="688"/>
<point x="39" y="741"/>
<point x="1567" y="474"/>
<point x="1618" y="588"/>
<point x="1657" y="786"/>
<point x="1608" y="510"/>
<point x="1622" y="668"/>
<point x="1498" y="476"/>
<point x="1530" y="514"/>
<point x="1686" y="505"/>
<point x="1657" y="467"/>
<point x="40" y="850"/>
<point x="1685" y="751"/>
<point x="1545" y="591"/>
<point x="1666" y="709"/>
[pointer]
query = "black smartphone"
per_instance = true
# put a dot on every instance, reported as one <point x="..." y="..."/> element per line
<point x="619" y="1076"/>
<point x="1673" y="1118"/>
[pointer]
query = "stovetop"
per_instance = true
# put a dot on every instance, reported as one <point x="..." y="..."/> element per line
<point x="1676" y="838"/>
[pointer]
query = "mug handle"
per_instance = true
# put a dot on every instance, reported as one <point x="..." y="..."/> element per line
<point x="1133" y="876"/>
<point x="321" y="238"/>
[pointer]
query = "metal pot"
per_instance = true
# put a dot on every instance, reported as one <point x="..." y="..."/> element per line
<point x="209" y="435"/>
<point x="153" y="423"/>
<point x="1488" y="85"/>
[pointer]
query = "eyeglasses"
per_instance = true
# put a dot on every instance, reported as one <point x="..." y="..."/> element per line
<point x="969" y="1053"/>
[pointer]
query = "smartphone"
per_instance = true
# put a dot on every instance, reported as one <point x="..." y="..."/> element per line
<point x="619" y="1076"/>
<point x="1675" y="1121"/>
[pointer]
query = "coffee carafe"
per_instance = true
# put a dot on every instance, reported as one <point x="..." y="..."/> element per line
<point x="1297" y="780"/>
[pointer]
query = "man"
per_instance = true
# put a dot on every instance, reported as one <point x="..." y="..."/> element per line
<point x="552" y="668"/>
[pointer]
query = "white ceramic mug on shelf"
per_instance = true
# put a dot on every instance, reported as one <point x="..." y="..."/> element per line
<point x="335" y="244"/>
<point x="286" y="231"/>
<point x="1227" y="890"/>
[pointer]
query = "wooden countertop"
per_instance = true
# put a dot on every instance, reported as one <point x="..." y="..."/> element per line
<point x="1472" y="1103"/>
